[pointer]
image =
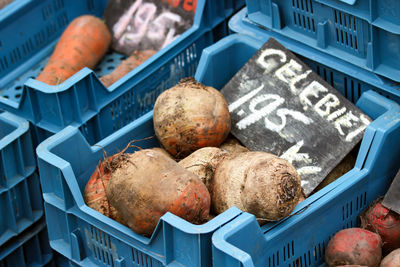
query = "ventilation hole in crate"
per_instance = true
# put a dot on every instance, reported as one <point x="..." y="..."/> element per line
<point x="47" y="12"/>
<point x="345" y="27"/>
<point x="101" y="247"/>
<point x="62" y="20"/>
<point x="320" y="250"/>
<point x="345" y="87"/>
<point x="298" y="262"/>
<point x="110" y="67"/>
<point x="365" y="198"/>
<point x="58" y="4"/>
<point x="15" y="55"/>
<point x="90" y="4"/>
<point x="351" y="208"/>
<point x="352" y="91"/>
<point x="18" y="96"/>
<point x="299" y="18"/>
<point x="6" y="96"/>
<point x="110" y="60"/>
<point x="3" y="65"/>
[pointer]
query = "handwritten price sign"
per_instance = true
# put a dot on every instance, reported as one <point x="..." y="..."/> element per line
<point x="147" y="24"/>
<point x="279" y="105"/>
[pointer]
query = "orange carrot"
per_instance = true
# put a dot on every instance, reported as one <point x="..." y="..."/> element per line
<point x="83" y="43"/>
<point x="137" y="58"/>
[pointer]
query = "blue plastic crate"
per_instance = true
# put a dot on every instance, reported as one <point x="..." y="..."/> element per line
<point x="31" y="248"/>
<point x="365" y="33"/>
<point x="82" y="100"/>
<point x="89" y="238"/>
<point x="62" y="261"/>
<point x="300" y="240"/>
<point x="20" y="195"/>
<point x="354" y="81"/>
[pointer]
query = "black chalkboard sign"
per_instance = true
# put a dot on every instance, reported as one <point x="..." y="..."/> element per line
<point x="279" y="105"/>
<point x="147" y="24"/>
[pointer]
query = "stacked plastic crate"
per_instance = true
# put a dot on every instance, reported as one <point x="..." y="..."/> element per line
<point x="23" y="238"/>
<point x="82" y="100"/>
<point x="354" y="46"/>
<point x="32" y="28"/>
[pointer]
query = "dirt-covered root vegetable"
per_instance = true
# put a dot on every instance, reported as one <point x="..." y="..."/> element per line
<point x="392" y="259"/>
<point x="127" y="65"/>
<point x="146" y="184"/>
<point x="203" y="162"/>
<point x="83" y="43"/>
<point x="386" y="223"/>
<point x="95" y="190"/>
<point x="232" y="145"/>
<point x="165" y="152"/>
<point x="190" y="116"/>
<point x="354" y="246"/>
<point x="257" y="182"/>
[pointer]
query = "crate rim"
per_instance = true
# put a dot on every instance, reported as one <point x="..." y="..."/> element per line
<point x="199" y="19"/>
<point x="12" y="244"/>
<point x="102" y="221"/>
<point x="21" y="126"/>
<point x="239" y="22"/>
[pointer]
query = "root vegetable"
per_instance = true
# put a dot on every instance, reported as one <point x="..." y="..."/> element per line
<point x="386" y="223"/>
<point x="257" y="182"/>
<point x="354" y="246"/>
<point x="127" y="65"/>
<point x="190" y="116"/>
<point x="83" y="43"/>
<point x="146" y="184"/>
<point x="95" y="190"/>
<point x="392" y="259"/>
<point x="203" y="162"/>
<point x="232" y="145"/>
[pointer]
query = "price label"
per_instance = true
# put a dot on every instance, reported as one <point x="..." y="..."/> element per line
<point x="279" y="105"/>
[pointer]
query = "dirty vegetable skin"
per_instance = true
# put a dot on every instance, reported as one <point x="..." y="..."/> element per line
<point x="95" y="190"/>
<point x="257" y="182"/>
<point x="190" y="116"/>
<point x="354" y="246"/>
<point x="203" y="162"/>
<point x="232" y="145"/>
<point x="147" y="183"/>
<point x="127" y="65"/>
<point x="392" y="259"/>
<point x="83" y="43"/>
<point x="377" y="218"/>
